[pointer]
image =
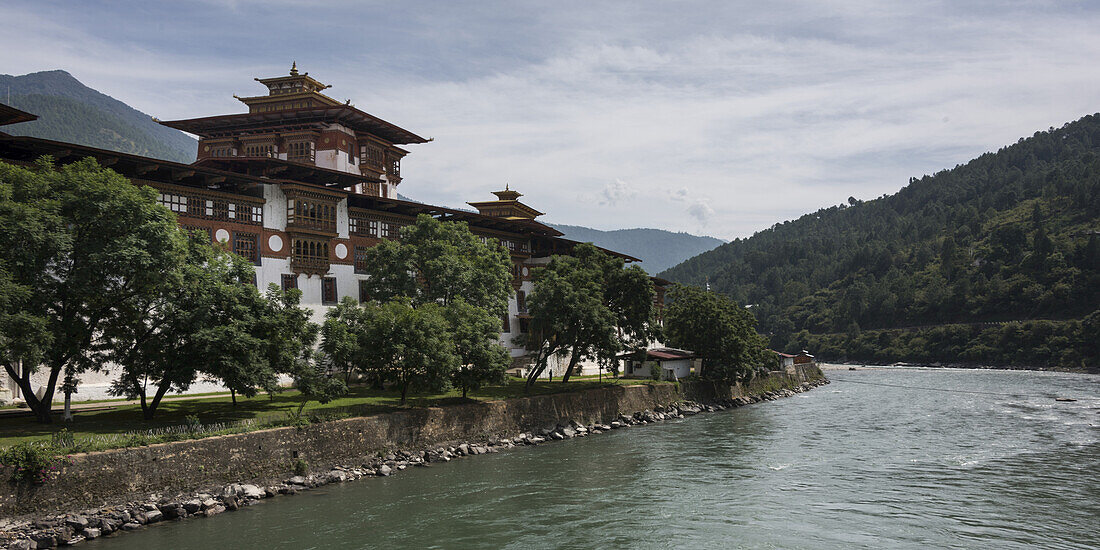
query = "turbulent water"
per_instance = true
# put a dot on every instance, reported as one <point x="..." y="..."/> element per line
<point x="880" y="458"/>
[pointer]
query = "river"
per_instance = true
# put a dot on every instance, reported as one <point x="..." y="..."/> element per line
<point x="880" y="458"/>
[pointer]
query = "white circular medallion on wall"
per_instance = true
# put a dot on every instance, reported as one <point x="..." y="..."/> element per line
<point x="221" y="235"/>
<point x="341" y="251"/>
<point x="526" y="272"/>
<point x="275" y="243"/>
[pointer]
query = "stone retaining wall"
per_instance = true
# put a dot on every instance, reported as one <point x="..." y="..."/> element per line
<point x="101" y="478"/>
<point x="705" y="391"/>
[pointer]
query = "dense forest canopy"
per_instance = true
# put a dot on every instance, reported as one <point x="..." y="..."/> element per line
<point x="996" y="261"/>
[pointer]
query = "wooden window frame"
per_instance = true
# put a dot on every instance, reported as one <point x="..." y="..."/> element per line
<point x="240" y="237"/>
<point x="173" y="201"/>
<point x="372" y="155"/>
<point x="309" y="255"/>
<point x="301" y="151"/>
<point x="335" y="296"/>
<point x="289" y="281"/>
<point x="359" y="259"/>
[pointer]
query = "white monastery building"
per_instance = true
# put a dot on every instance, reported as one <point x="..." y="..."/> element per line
<point x="302" y="185"/>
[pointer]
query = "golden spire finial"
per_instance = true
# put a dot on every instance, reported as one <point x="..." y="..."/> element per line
<point x="294" y="68"/>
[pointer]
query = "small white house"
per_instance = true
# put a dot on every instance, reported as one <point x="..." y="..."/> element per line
<point x="673" y="363"/>
<point x="785" y="359"/>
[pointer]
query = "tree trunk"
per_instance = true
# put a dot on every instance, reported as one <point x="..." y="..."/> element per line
<point x="404" y="392"/>
<point x="162" y="389"/>
<point x="68" y="416"/>
<point x="233" y="396"/>
<point x="574" y="358"/>
<point x="41" y="408"/>
<point x="144" y="405"/>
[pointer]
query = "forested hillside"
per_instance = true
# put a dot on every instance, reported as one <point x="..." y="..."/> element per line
<point x="993" y="262"/>
<point x="658" y="249"/>
<point x="70" y="111"/>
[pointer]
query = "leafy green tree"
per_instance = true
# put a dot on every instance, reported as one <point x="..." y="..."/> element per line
<point x="586" y="306"/>
<point x="200" y="321"/>
<point x="82" y="243"/>
<point x="412" y="347"/>
<point x="475" y="335"/>
<point x="287" y="338"/>
<point x="443" y="263"/>
<point x="315" y="382"/>
<point x="437" y="262"/>
<point x="722" y="333"/>
<point x="340" y="336"/>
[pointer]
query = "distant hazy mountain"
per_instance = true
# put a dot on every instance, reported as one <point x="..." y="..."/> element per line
<point x="70" y="111"/>
<point x="658" y="249"/>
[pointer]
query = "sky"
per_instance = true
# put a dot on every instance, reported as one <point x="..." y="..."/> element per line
<point x="719" y="118"/>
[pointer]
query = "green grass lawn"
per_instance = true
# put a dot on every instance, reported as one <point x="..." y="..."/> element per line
<point x="93" y="430"/>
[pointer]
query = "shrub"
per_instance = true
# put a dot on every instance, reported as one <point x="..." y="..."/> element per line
<point x="33" y="462"/>
<point x="301" y="467"/>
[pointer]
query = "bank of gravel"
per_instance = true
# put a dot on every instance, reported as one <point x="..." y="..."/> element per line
<point x="74" y="528"/>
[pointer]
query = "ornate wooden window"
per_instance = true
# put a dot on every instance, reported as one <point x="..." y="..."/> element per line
<point x="223" y="151"/>
<point x="328" y="291"/>
<point x="259" y="150"/>
<point x="521" y="301"/>
<point x="309" y="255"/>
<point x="301" y="151"/>
<point x="360" y="259"/>
<point x="505" y="323"/>
<point x="172" y="201"/>
<point x="211" y="206"/>
<point x="390" y="230"/>
<point x="253" y="214"/>
<point x="393" y="167"/>
<point x="311" y="214"/>
<point x="247" y="245"/>
<point x="371" y="188"/>
<point x="373" y="156"/>
<point x="289" y="281"/>
<point x="217" y="209"/>
<point x="362" y="226"/>
<point x="196" y="207"/>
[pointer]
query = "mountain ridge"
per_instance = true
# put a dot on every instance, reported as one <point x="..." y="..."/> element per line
<point x="69" y="111"/>
<point x="995" y="262"/>
<point x="671" y="248"/>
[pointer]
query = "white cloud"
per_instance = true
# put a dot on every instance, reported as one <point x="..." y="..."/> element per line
<point x="701" y="211"/>
<point x="679" y="195"/>
<point x="616" y="192"/>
